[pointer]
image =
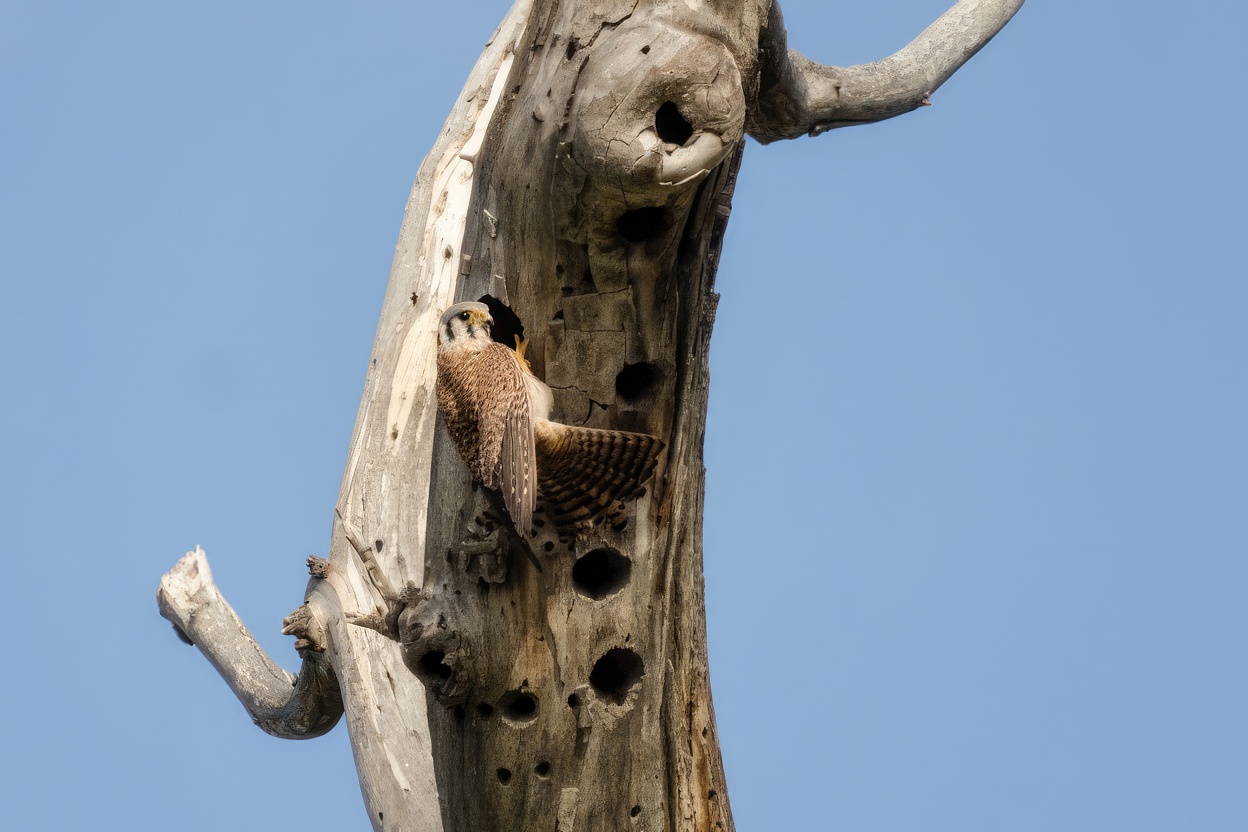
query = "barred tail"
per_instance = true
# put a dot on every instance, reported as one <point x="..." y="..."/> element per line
<point x="584" y="473"/>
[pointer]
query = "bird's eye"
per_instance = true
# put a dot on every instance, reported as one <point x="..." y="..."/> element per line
<point x="463" y="316"/>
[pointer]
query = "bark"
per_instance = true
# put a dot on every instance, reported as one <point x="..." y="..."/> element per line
<point x="584" y="178"/>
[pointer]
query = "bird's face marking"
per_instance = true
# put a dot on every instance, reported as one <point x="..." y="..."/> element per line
<point x="465" y="323"/>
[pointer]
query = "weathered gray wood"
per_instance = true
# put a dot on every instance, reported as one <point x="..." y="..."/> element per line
<point x="585" y="178"/>
<point x="801" y="97"/>
<point x="285" y="706"/>
<point x="385" y="491"/>
<point x="523" y="736"/>
<point x="385" y="485"/>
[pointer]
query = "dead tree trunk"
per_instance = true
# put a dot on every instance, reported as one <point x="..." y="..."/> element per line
<point x="584" y="178"/>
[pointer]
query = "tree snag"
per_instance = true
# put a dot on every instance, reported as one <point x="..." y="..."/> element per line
<point x="583" y="180"/>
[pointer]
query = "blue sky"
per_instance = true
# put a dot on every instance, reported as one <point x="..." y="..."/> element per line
<point x="975" y="528"/>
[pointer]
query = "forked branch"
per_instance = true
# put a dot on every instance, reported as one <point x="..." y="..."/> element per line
<point x="284" y="705"/>
<point x="799" y="97"/>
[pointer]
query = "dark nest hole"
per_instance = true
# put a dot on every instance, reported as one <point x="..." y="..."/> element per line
<point x="506" y="323"/>
<point x="519" y="706"/>
<point x="434" y="668"/>
<point x="600" y="573"/>
<point x="504" y="775"/>
<point x="671" y="125"/>
<point x="542" y="769"/>
<point x="636" y="380"/>
<point x="617" y="673"/>
<point x="641" y="224"/>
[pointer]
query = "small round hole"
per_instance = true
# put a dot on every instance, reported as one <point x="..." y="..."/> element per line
<point x="600" y="573"/>
<point x="636" y="380"/>
<point x="574" y="701"/>
<point x="617" y="673"/>
<point x="671" y="125"/>
<point x="542" y="769"/>
<point x="504" y="775"/>
<point x="636" y="810"/>
<point x="641" y="224"/>
<point x="434" y="667"/>
<point x="519" y="706"/>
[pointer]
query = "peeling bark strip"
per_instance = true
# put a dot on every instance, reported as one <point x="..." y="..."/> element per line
<point x="584" y="177"/>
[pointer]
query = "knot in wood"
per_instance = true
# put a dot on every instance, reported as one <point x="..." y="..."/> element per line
<point x="650" y="120"/>
<point x="436" y="649"/>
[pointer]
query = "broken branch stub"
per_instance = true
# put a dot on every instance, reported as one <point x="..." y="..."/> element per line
<point x="291" y="707"/>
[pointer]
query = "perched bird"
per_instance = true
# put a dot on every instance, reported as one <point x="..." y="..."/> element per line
<point x="498" y="415"/>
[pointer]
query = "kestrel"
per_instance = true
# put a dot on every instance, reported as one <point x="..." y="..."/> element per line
<point x="498" y="415"/>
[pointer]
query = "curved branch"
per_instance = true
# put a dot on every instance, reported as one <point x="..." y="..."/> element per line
<point x="286" y="706"/>
<point x="799" y="97"/>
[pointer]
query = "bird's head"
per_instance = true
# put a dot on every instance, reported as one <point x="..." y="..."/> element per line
<point x="464" y="323"/>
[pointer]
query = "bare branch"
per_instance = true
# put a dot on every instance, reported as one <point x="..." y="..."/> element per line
<point x="800" y="97"/>
<point x="283" y="705"/>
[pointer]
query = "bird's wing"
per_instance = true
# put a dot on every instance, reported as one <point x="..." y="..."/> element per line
<point x="460" y="409"/>
<point x="507" y="416"/>
<point x="587" y="472"/>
